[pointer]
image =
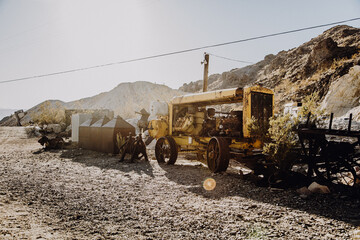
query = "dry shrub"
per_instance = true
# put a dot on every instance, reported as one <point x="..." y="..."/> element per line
<point x="282" y="140"/>
<point x="356" y="55"/>
<point x="259" y="131"/>
<point x="280" y="137"/>
<point x="310" y="104"/>
<point x="337" y="62"/>
<point x="318" y="75"/>
<point x="49" y="113"/>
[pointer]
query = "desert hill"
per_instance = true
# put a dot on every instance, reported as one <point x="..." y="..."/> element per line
<point x="6" y="112"/>
<point x="27" y="116"/>
<point x="124" y="100"/>
<point x="328" y="64"/>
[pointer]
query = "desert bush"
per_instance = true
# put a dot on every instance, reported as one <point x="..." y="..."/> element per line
<point x="259" y="131"/>
<point x="337" y="62"/>
<point x="49" y="113"/>
<point x="310" y="104"/>
<point x="282" y="139"/>
<point x="279" y="138"/>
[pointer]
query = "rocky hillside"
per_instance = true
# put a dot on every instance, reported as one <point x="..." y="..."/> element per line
<point x="124" y="100"/>
<point x="328" y="64"/>
<point x="238" y="77"/>
<point x="27" y="117"/>
<point x="6" y="112"/>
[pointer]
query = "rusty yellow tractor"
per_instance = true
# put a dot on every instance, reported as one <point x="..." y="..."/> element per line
<point x="214" y="125"/>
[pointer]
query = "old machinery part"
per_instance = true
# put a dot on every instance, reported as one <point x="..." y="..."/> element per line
<point x="139" y="149"/>
<point x="185" y="124"/>
<point x="218" y="154"/>
<point x="199" y="121"/>
<point x="51" y="143"/>
<point x="180" y="112"/>
<point x="210" y="123"/>
<point x="127" y="147"/>
<point x="332" y="162"/>
<point x="148" y="140"/>
<point x="191" y="124"/>
<point x="231" y="126"/>
<point x="135" y="147"/>
<point x="143" y="121"/>
<point x="337" y="164"/>
<point x="158" y="128"/>
<point x="166" y="150"/>
<point x="209" y="128"/>
<point x="210" y="112"/>
<point x="200" y="155"/>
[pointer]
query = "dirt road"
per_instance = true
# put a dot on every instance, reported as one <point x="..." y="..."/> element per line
<point x="78" y="194"/>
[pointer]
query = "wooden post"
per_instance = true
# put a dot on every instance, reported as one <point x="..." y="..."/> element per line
<point x="349" y="126"/>
<point x="331" y="120"/>
<point x="206" y="72"/>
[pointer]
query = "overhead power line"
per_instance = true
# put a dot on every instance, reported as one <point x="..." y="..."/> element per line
<point x="230" y="59"/>
<point x="179" y="52"/>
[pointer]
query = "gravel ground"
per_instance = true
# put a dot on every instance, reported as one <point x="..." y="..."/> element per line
<point x="78" y="194"/>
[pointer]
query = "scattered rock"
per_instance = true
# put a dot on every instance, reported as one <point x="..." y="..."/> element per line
<point x="317" y="188"/>
<point x="304" y="192"/>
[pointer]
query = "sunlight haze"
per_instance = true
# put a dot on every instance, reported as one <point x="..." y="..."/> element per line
<point x="39" y="37"/>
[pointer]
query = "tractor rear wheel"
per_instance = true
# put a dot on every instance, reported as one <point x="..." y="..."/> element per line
<point x="166" y="150"/>
<point x="217" y="154"/>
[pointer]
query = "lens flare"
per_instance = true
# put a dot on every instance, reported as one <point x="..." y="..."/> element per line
<point x="209" y="184"/>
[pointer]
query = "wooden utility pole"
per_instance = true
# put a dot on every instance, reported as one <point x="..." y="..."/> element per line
<point x="206" y="71"/>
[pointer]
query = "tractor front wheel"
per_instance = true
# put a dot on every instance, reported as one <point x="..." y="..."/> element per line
<point x="217" y="154"/>
<point x="166" y="150"/>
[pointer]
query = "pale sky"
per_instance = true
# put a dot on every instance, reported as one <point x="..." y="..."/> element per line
<point x="45" y="36"/>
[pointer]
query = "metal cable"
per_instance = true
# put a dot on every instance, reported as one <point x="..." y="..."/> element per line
<point x="178" y="52"/>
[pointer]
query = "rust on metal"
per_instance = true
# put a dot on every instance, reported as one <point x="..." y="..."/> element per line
<point x="84" y="133"/>
<point x="331" y="161"/>
<point x="135" y="147"/>
<point x="109" y="132"/>
<point x="95" y="134"/>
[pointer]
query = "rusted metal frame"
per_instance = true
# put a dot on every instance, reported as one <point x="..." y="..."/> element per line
<point x="189" y="151"/>
<point x="316" y="162"/>
<point x="139" y="148"/>
<point x="307" y="156"/>
<point x="321" y="131"/>
<point x="310" y="153"/>
<point x="310" y="160"/>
